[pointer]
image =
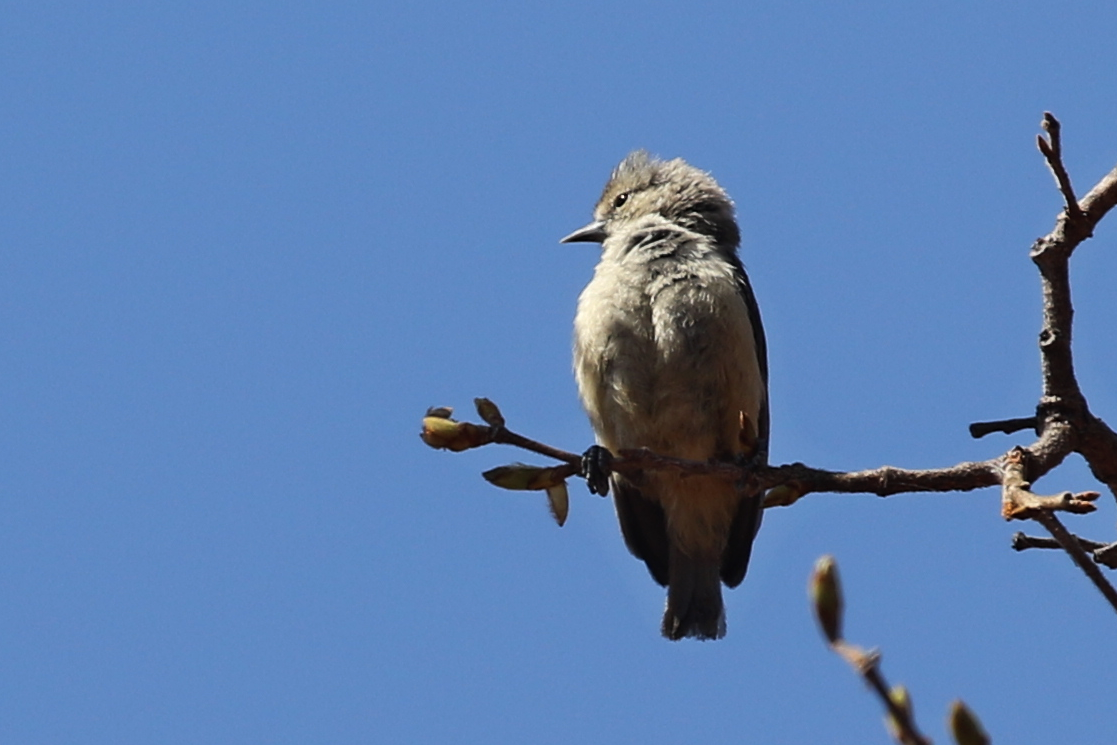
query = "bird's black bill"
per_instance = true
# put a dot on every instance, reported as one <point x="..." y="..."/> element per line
<point x="592" y="233"/>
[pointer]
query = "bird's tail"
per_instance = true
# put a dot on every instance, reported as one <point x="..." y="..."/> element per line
<point x="694" y="605"/>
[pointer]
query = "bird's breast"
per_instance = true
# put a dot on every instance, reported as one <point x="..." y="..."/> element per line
<point x="665" y="358"/>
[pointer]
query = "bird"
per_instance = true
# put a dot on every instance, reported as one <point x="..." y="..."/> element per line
<point x="670" y="355"/>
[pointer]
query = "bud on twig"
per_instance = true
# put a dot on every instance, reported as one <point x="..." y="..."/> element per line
<point x="489" y="412"/>
<point x="532" y="478"/>
<point x="520" y="477"/>
<point x="826" y="596"/>
<point x="899" y="696"/>
<point x="443" y="433"/>
<point x="965" y="727"/>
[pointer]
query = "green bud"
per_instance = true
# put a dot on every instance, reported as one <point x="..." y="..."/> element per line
<point x="489" y="412"/>
<point x="900" y="697"/>
<point x="965" y="727"/>
<point x="446" y="434"/>
<point x="520" y="477"/>
<point x="826" y="596"/>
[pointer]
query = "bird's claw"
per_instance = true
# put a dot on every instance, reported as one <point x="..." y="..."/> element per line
<point x="597" y="467"/>
<point x="752" y="461"/>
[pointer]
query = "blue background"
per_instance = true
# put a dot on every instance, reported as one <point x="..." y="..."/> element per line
<point x="243" y="246"/>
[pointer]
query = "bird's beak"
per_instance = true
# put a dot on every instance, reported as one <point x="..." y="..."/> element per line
<point x="592" y="233"/>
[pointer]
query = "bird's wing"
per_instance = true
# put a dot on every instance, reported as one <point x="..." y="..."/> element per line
<point x="643" y="526"/>
<point x="744" y="288"/>
<point x="738" y="549"/>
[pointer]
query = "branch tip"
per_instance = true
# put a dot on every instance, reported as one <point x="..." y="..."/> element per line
<point x="1053" y="153"/>
<point x="1007" y="426"/>
<point x="1071" y="545"/>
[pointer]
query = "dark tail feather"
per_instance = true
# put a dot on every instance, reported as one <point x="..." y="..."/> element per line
<point x="694" y="607"/>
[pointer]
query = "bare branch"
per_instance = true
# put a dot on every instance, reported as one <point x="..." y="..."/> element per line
<point x="1107" y="555"/>
<point x="908" y="733"/>
<point x="1101" y="199"/>
<point x="1070" y="545"/>
<point x="884" y="481"/>
<point x="1022" y="542"/>
<point x="825" y="591"/>
<point x="505" y="436"/>
<point x="1097" y="443"/>
<point x="1053" y="153"/>
<point x="1019" y="503"/>
<point x="1062" y="397"/>
<point x="1103" y="553"/>
<point x="1008" y="426"/>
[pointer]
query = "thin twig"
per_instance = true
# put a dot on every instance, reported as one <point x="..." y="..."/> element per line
<point x="1102" y="553"/>
<point x="1053" y="154"/>
<point x="909" y="733"/>
<point x="505" y="436"/>
<point x="827" y="599"/>
<point x="1022" y="542"/>
<point x="1107" y="555"/>
<point x="1008" y="426"/>
<point x="1070" y="545"/>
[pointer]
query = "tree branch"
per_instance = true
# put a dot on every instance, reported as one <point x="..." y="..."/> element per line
<point x="1053" y="152"/>
<point x="1063" y="422"/>
<point x="1008" y="426"/>
<point x="827" y="599"/>
<point x="1062" y="397"/>
<point x="1071" y="546"/>
<point x="1103" y="553"/>
<point x="1018" y="502"/>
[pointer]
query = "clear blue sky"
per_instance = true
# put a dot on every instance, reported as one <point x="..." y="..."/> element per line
<point x="243" y="246"/>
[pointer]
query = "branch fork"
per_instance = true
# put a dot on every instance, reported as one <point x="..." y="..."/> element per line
<point x="1018" y="502"/>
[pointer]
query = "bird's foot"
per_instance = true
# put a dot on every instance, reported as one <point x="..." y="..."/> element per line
<point x="597" y="467"/>
<point x="751" y="461"/>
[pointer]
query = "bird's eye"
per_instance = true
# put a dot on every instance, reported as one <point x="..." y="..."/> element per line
<point x="621" y="199"/>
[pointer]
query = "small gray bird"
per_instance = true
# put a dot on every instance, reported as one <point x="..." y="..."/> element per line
<point x="669" y="355"/>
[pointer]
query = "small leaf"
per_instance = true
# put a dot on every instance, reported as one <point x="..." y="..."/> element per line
<point x="559" y="500"/>
<point x="517" y="476"/>
<point x="489" y="412"/>
<point x="522" y="477"/>
<point x="826" y="596"/>
<point x="965" y="727"/>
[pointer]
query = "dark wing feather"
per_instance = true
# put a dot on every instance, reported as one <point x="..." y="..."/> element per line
<point x="745" y="290"/>
<point x="643" y="526"/>
<point x="738" y="549"/>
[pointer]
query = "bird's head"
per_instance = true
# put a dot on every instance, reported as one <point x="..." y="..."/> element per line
<point x="672" y="189"/>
